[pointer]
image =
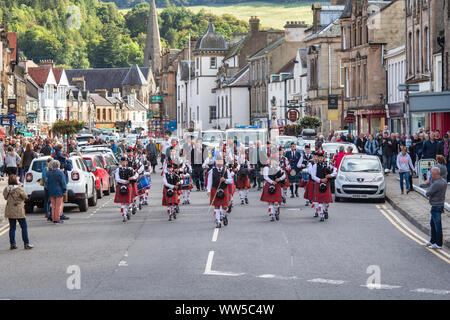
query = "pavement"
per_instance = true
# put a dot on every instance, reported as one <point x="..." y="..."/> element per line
<point x="364" y="251"/>
<point x="415" y="207"/>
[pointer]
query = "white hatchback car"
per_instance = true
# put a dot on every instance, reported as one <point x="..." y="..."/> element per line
<point x="360" y="177"/>
<point x="80" y="187"/>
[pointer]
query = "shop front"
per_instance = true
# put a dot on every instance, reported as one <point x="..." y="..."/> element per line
<point x="396" y="117"/>
<point x="430" y="110"/>
<point x="371" y="120"/>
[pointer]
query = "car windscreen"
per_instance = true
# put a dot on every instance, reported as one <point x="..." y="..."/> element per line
<point x="84" y="139"/>
<point x="38" y="166"/>
<point x="360" y="165"/>
<point x="89" y="163"/>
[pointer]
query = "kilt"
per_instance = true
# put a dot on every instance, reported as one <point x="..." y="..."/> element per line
<point x="267" y="197"/>
<point x="231" y="189"/>
<point x="296" y="178"/>
<point x="169" y="201"/>
<point x="219" y="202"/>
<point x="124" y="199"/>
<point x="243" y="183"/>
<point x="135" y="189"/>
<point x="308" y="191"/>
<point x="316" y="196"/>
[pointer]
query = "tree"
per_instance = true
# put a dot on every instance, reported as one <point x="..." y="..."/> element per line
<point x="309" y="123"/>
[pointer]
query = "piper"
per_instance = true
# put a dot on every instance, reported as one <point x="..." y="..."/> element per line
<point x="125" y="190"/>
<point x="273" y="175"/>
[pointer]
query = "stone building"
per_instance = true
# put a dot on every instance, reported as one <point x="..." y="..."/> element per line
<point x="324" y="69"/>
<point x="427" y="31"/>
<point x="270" y="60"/>
<point x="369" y="29"/>
<point x="5" y="69"/>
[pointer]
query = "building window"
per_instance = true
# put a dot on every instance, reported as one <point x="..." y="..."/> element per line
<point x="222" y="113"/>
<point x="341" y="75"/>
<point x="426" y="49"/>
<point x="226" y="106"/>
<point x="418" y="52"/>
<point x="213" y="63"/>
<point x="347" y="84"/>
<point x="104" y="114"/>
<point x="98" y="114"/>
<point x="411" y="54"/>
<point x="212" y="113"/>
<point x="197" y="86"/>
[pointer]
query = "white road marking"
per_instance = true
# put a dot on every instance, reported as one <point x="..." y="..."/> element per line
<point x="292" y="261"/>
<point x="273" y="276"/>
<point x="432" y="291"/>
<point x="123" y="263"/>
<point x="327" y="281"/>
<point x="380" y="286"/>
<point x="208" y="270"/>
<point x="126" y="254"/>
<point x="267" y="276"/>
<point x="215" y="235"/>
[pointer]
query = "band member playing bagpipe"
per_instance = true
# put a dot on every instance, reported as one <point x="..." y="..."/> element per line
<point x="273" y="176"/>
<point x="302" y="165"/>
<point x="125" y="189"/>
<point x="293" y="156"/>
<point x="286" y="167"/>
<point x="133" y="163"/>
<point x="144" y="180"/>
<point x="207" y="165"/>
<point x="219" y="178"/>
<point x="231" y="164"/>
<point x="307" y="196"/>
<point x="242" y="176"/>
<point x="187" y="184"/>
<point x="170" y="191"/>
<point x="319" y="189"/>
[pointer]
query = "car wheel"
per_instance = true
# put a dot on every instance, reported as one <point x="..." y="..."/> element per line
<point x="93" y="201"/>
<point x="382" y="200"/>
<point x="337" y="199"/>
<point x="29" y="207"/>
<point x="100" y="192"/>
<point x="83" y="205"/>
<point x="108" y="191"/>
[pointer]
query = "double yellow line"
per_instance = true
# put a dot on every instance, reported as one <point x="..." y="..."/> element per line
<point x="396" y="222"/>
<point x="4" y="229"/>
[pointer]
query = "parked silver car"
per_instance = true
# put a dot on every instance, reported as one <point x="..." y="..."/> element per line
<point x="360" y="177"/>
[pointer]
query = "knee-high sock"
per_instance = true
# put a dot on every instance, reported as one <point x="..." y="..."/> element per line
<point x="223" y="212"/>
<point x="246" y="193"/>
<point x="242" y="194"/>
<point x="283" y="192"/>
<point x="315" y="206"/>
<point x="123" y="210"/>
<point x="277" y="207"/>
<point x="169" y="210"/>
<point x="321" y="206"/>
<point x="217" y="215"/>
<point x="271" y="209"/>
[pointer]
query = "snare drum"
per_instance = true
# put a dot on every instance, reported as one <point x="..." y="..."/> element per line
<point x="186" y="182"/>
<point x="143" y="183"/>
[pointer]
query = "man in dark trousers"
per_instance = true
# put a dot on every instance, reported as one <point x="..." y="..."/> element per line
<point x="386" y="147"/>
<point x="293" y="157"/>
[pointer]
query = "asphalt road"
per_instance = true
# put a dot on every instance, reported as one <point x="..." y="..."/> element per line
<point x="252" y="258"/>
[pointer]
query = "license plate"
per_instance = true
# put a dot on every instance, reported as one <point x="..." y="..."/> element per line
<point x="360" y="196"/>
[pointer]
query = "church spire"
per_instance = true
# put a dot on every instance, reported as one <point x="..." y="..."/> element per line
<point x="152" y="53"/>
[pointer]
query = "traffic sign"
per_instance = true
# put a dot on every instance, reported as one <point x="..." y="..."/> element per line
<point x="293" y="115"/>
<point x="156" y="99"/>
<point x="412" y="87"/>
<point x="293" y="101"/>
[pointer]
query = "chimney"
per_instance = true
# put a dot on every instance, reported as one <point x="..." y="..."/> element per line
<point x="316" y="8"/>
<point x="80" y="83"/>
<point x="47" y="63"/>
<point x="254" y="24"/>
<point x="295" y="31"/>
<point x="102" y="92"/>
<point x="116" y="93"/>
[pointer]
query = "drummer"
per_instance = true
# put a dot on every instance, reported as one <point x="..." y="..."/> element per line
<point x="293" y="156"/>
<point x="305" y="159"/>
<point x="285" y="167"/>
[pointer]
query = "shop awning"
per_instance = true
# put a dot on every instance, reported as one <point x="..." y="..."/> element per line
<point x="430" y="102"/>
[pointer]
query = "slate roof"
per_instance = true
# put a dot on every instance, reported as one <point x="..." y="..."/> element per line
<point x="288" y="67"/>
<point x="211" y="40"/>
<point x="134" y="77"/>
<point x="184" y="67"/>
<point x="58" y="73"/>
<point x="347" y="13"/>
<point x="269" y="47"/>
<point x="99" y="100"/>
<point x="236" y="47"/>
<point x="331" y="30"/>
<point x="241" y="78"/>
<point x="103" y="78"/>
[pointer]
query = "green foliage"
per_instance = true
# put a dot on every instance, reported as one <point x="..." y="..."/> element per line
<point x="163" y="3"/>
<point x="104" y="37"/>
<point x="310" y="122"/>
<point x="69" y="128"/>
<point x="292" y="130"/>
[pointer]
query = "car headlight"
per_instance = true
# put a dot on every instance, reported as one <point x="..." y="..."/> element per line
<point x="378" y="179"/>
<point x="342" y="178"/>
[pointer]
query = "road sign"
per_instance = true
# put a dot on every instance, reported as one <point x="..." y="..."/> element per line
<point x="156" y="99"/>
<point x="412" y="87"/>
<point x="293" y="115"/>
<point x="293" y="101"/>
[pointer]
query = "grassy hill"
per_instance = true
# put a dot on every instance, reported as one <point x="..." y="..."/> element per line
<point x="272" y="15"/>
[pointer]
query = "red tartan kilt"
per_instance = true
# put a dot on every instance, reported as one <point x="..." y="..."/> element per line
<point x="302" y="183"/>
<point x="169" y="201"/>
<point x="135" y="189"/>
<point x="308" y="191"/>
<point x="231" y="189"/>
<point x="316" y="196"/>
<point x="190" y="187"/>
<point x="267" y="197"/>
<point x="141" y="192"/>
<point x="219" y="202"/>
<point x="125" y="199"/>
<point x="243" y="183"/>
